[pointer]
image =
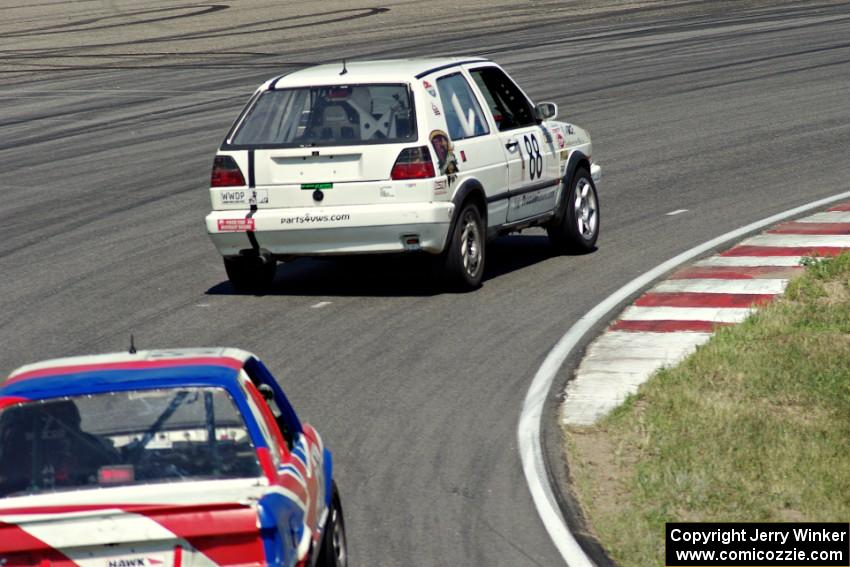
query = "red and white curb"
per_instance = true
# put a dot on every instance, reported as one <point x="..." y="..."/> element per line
<point x="528" y="429"/>
<point x="668" y="322"/>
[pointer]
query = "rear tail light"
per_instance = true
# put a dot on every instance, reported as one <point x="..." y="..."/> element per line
<point x="413" y="163"/>
<point x="225" y="173"/>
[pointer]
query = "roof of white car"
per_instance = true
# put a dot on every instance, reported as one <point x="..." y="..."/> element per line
<point x="381" y="71"/>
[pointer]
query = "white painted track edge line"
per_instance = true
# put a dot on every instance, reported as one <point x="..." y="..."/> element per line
<point x="528" y="429"/>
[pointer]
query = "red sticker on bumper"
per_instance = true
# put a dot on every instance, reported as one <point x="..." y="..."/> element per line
<point x="235" y="225"/>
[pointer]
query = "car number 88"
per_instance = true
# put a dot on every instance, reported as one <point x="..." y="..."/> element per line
<point x="535" y="158"/>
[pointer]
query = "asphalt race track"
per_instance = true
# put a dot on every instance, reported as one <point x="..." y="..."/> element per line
<point x="110" y="113"/>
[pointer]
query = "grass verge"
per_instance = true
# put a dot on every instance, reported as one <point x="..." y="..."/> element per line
<point x="754" y="426"/>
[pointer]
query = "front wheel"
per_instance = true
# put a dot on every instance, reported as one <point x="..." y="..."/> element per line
<point x="576" y="229"/>
<point x="463" y="264"/>
<point x="334" y="551"/>
<point x="250" y="273"/>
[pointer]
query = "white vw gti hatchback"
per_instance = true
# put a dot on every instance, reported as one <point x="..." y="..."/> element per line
<point x="429" y="155"/>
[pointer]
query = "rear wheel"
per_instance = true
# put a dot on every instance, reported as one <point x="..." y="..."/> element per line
<point x="463" y="264"/>
<point x="250" y="273"/>
<point x="334" y="551"/>
<point x="577" y="228"/>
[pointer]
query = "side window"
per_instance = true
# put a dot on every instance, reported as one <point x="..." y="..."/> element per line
<point x="283" y="413"/>
<point x="463" y="114"/>
<point x="262" y="415"/>
<point x="286" y="428"/>
<point x="509" y="106"/>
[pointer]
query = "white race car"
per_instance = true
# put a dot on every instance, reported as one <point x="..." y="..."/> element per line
<point x="433" y="155"/>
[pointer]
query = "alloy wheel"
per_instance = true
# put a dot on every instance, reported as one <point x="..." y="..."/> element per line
<point x="585" y="207"/>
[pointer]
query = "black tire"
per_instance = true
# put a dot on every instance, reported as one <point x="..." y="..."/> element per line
<point x="250" y="273"/>
<point x="576" y="228"/>
<point x="334" y="550"/>
<point x="463" y="259"/>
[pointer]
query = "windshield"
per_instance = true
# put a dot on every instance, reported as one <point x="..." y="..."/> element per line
<point x="136" y="437"/>
<point x="328" y="116"/>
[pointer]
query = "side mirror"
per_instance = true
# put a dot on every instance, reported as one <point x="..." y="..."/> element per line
<point x="546" y="110"/>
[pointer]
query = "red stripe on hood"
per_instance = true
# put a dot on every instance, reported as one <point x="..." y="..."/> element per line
<point x="227" y="536"/>
<point x="144" y="509"/>
<point x="20" y="548"/>
<point x="227" y="533"/>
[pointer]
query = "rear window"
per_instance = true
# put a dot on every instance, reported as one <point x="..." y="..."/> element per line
<point x="328" y="116"/>
<point x="127" y="438"/>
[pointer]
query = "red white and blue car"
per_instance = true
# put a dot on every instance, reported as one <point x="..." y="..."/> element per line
<point x="162" y="458"/>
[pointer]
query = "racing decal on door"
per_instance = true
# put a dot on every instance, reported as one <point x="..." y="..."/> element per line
<point x="445" y="154"/>
<point x="528" y="199"/>
<point x="535" y="158"/>
<point x="559" y="137"/>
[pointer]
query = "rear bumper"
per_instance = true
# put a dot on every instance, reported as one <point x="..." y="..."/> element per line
<point x="315" y="231"/>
